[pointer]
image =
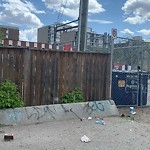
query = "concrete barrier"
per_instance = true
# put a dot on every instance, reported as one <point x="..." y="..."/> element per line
<point x="45" y="113"/>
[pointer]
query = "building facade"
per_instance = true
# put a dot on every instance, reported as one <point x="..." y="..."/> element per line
<point x="8" y="32"/>
<point x="94" y="39"/>
<point x="46" y="35"/>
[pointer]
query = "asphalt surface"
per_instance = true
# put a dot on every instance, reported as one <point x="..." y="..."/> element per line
<point x="129" y="132"/>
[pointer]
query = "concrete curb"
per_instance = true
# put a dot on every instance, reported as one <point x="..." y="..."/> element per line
<point x="45" y="113"/>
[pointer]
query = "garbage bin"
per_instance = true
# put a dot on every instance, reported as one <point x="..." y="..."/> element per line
<point x="129" y="88"/>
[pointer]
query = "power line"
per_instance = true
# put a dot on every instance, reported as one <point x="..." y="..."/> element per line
<point x="61" y="11"/>
<point x="58" y="14"/>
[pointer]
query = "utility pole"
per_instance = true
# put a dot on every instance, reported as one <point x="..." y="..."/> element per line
<point x="83" y="16"/>
<point x="113" y="36"/>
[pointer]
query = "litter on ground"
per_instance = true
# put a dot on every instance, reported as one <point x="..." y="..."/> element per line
<point x="85" y="139"/>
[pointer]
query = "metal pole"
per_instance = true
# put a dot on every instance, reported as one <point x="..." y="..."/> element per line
<point x="83" y="15"/>
<point x="142" y="56"/>
<point x="79" y="26"/>
<point x="111" y="63"/>
<point x="55" y="36"/>
<point x="141" y="75"/>
<point x="138" y="86"/>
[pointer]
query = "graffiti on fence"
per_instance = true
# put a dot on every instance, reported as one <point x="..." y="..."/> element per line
<point x="13" y="115"/>
<point x="91" y="107"/>
<point x="38" y="112"/>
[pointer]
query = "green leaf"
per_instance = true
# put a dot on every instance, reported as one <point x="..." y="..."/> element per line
<point x="74" y="96"/>
<point x="9" y="96"/>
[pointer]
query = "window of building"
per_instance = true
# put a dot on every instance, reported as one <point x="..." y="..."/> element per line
<point x="19" y="43"/>
<point x="35" y="45"/>
<point x="27" y="44"/>
<point x="7" y="31"/>
<point x="50" y="46"/>
<point x="10" y="42"/>
<point x="43" y="46"/>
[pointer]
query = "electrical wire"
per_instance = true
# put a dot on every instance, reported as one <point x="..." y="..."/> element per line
<point x="58" y="14"/>
<point x="61" y="11"/>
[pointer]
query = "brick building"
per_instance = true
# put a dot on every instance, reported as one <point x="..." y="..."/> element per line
<point x="9" y="32"/>
<point x="26" y="44"/>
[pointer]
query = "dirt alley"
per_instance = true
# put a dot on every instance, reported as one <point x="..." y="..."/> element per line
<point x="119" y="133"/>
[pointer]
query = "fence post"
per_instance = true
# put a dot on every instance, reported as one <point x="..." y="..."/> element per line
<point x="111" y="68"/>
<point x="26" y="76"/>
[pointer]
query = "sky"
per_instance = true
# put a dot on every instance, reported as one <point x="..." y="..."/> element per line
<point x="129" y="17"/>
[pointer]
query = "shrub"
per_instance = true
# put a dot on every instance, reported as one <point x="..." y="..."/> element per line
<point x="74" y="96"/>
<point x="9" y="97"/>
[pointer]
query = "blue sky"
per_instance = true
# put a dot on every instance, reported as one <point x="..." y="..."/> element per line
<point x="129" y="17"/>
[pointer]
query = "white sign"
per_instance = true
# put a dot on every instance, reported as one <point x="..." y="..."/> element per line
<point x="114" y="33"/>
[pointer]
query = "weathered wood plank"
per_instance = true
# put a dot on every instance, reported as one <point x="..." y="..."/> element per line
<point x="5" y="64"/>
<point x="79" y="70"/>
<point x="20" y="71"/>
<point x="43" y="74"/>
<point x="46" y="74"/>
<point x="47" y="99"/>
<point x="37" y="76"/>
<point x="32" y="79"/>
<point x="61" y="75"/>
<point x="87" y="78"/>
<point x="26" y="76"/>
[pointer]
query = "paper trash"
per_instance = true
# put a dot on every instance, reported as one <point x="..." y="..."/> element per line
<point x="85" y="139"/>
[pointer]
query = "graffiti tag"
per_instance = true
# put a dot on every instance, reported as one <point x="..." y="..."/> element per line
<point x="95" y="106"/>
<point x="39" y="113"/>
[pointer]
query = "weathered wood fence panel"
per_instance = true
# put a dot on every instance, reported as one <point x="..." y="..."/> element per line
<point x="42" y="75"/>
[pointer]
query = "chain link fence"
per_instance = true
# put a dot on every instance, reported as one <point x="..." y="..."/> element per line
<point x="131" y="66"/>
<point x="134" y="53"/>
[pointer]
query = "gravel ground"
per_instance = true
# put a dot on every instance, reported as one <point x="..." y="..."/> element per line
<point x="119" y="133"/>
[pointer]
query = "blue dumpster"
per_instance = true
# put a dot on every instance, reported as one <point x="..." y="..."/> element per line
<point x="129" y="88"/>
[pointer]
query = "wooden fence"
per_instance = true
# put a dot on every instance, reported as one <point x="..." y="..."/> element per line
<point x="42" y="75"/>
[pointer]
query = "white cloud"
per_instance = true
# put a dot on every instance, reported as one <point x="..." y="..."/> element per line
<point x="95" y="7"/>
<point x="127" y="31"/>
<point x="28" y="35"/>
<point x="137" y="11"/>
<point x="144" y="31"/>
<point x="71" y="8"/>
<point x="100" y="21"/>
<point x="135" y="20"/>
<point x="20" y="13"/>
<point x="31" y="7"/>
